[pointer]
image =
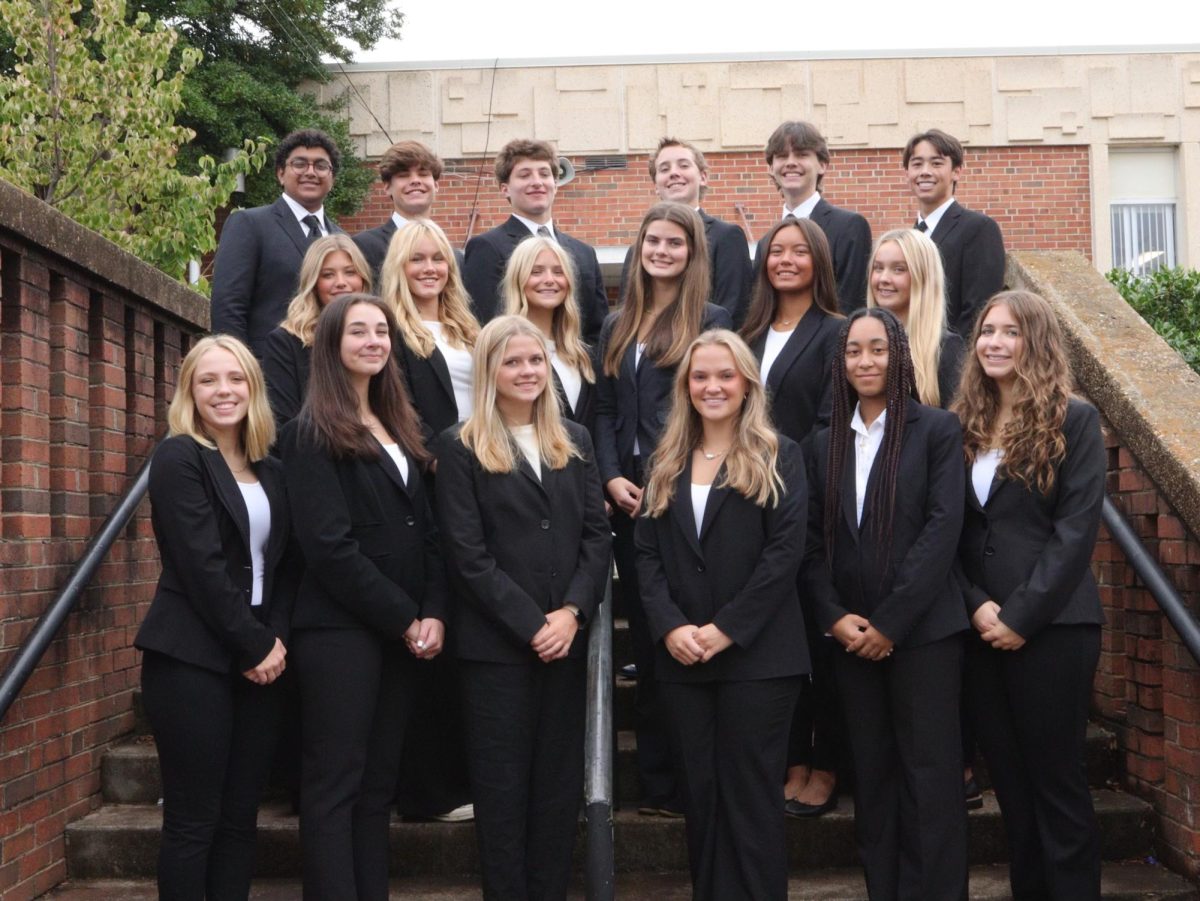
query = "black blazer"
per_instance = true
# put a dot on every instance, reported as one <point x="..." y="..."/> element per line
<point x="973" y="258"/>
<point x="1031" y="552"/>
<point x="255" y="271"/>
<point x="739" y="574"/>
<point x="729" y="258"/>
<point x="849" y="237"/>
<point x="584" y="412"/>
<point x="374" y="246"/>
<point x="285" y="365"/>
<point x="201" y="611"/>
<point x="950" y="367"/>
<point x="635" y="403"/>
<point x="429" y="388"/>
<point x="518" y="547"/>
<point x="368" y="537"/>
<point x="913" y="597"/>
<point x="487" y="255"/>
<point x="798" y="384"/>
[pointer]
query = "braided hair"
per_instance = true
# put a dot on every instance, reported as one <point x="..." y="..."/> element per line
<point x="899" y="390"/>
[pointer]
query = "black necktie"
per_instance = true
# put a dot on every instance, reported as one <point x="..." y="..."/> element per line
<point x="314" y="227"/>
<point x="921" y="226"/>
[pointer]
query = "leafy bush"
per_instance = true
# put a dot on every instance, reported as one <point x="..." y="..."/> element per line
<point x="1170" y="301"/>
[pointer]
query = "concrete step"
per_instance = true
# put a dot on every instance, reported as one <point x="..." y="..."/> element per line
<point x="121" y="841"/>
<point x="1125" y="881"/>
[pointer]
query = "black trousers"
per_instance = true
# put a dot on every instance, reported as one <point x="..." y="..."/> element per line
<point x="354" y="700"/>
<point x="433" y="763"/>
<point x="1030" y="710"/>
<point x="215" y="735"/>
<point x="525" y="727"/>
<point x="817" y="737"/>
<point x="733" y="739"/>
<point x="901" y="718"/>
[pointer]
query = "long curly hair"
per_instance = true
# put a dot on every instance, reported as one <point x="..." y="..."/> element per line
<point x="750" y="466"/>
<point x="1032" y="443"/>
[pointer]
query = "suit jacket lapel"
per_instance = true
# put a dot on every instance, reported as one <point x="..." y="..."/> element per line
<point x="682" y="512"/>
<point x="564" y="402"/>
<point x="946" y="224"/>
<point x="228" y="491"/>
<point x="850" y="487"/>
<point x="288" y="223"/>
<point x="437" y="362"/>
<point x="516" y="230"/>
<point x="806" y="329"/>
<point x="821" y="213"/>
<point x="277" y="498"/>
<point x="389" y="466"/>
<point x="716" y="497"/>
<point x="527" y="471"/>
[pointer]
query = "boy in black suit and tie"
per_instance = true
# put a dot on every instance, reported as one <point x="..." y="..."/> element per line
<point x="261" y="249"/>
<point x="797" y="157"/>
<point x="526" y="171"/>
<point x="680" y="173"/>
<point x="410" y="173"/>
<point x="971" y="244"/>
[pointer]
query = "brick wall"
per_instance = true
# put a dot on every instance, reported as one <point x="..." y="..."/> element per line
<point x="88" y="366"/>
<point x="1039" y="195"/>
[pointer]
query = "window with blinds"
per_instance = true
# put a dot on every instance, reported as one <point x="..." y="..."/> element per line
<point x="1143" y="236"/>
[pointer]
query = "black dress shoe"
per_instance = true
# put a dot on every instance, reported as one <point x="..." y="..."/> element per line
<point x="974" y="796"/>
<point x="800" y="810"/>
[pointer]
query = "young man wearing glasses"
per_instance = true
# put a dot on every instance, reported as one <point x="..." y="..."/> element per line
<point x="261" y="249"/>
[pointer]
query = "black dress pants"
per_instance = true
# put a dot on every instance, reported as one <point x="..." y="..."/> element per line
<point x="901" y="718"/>
<point x="215" y="734"/>
<point x="1030" y="710"/>
<point x="354" y="701"/>
<point x="733" y="740"/>
<point x="433" y="763"/>
<point x="525" y="727"/>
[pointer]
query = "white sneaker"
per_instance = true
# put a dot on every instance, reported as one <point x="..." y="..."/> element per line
<point x="463" y="814"/>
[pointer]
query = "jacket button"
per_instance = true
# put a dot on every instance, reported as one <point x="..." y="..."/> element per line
<point x="545" y="523"/>
<point x="410" y="520"/>
<point x="700" y="567"/>
<point x="554" y="573"/>
<point x="989" y="551"/>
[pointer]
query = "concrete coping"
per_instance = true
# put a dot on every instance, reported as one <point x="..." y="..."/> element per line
<point x="1149" y="395"/>
<point x="81" y="248"/>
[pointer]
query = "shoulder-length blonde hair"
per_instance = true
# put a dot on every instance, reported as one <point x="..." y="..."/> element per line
<point x="676" y="328"/>
<point x="926" y="325"/>
<point x="565" y="323"/>
<point x="459" y="325"/>
<point x="305" y="307"/>
<point x="258" y="428"/>
<point x="484" y="431"/>
<point x="751" y="465"/>
<point x="1032" y="442"/>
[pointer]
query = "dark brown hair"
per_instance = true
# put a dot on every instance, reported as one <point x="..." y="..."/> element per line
<point x="523" y="149"/>
<point x="945" y="144"/>
<point x="330" y="411"/>
<point x="797" y="135"/>
<point x="764" y="299"/>
<point x="307" y="137"/>
<point x="408" y="155"/>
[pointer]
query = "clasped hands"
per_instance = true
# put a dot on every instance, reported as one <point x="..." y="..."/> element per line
<point x="424" y="638"/>
<point x="553" y="640"/>
<point x="696" y="644"/>
<point x="986" y="621"/>
<point x="270" y="667"/>
<point x="856" y="634"/>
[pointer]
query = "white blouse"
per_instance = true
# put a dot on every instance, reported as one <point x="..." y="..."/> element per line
<point x="775" y="342"/>
<point x="526" y="439"/>
<point x="571" y="378"/>
<point x="399" y="458"/>
<point x="458" y="361"/>
<point x="259" y="510"/>
<point x="699" y="502"/>
<point x="983" y="471"/>
<point x="867" y="440"/>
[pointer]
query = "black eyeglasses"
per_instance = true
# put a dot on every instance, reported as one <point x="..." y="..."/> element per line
<point x="299" y="164"/>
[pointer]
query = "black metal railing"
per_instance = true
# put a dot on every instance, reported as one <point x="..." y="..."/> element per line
<point x="598" y="751"/>
<point x="1155" y="579"/>
<point x="25" y="659"/>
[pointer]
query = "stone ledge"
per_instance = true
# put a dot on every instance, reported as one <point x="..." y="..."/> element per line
<point x="81" y="248"/>
<point x="1146" y="391"/>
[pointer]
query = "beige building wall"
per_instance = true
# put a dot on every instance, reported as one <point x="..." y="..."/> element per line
<point x="1103" y="100"/>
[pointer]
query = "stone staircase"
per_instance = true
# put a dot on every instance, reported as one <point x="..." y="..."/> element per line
<point x="111" y="853"/>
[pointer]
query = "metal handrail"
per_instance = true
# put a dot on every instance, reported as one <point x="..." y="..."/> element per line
<point x="29" y="654"/>
<point x="598" y="749"/>
<point x="1156" y="581"/>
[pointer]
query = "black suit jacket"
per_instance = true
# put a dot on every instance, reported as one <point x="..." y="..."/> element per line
<point x="255" y="271"/>
<point x="849" y="236"/>
<point x="374" y="246"/>
<point x="950" y="367"/>
<point x="636" y="403"/>
<point x="798" y="384"/>
<point x="430" y="389"/>
<point x="487" y="255"/>
<point x="729" y="257"/>
<point x="369" y="539"/>
<point x="201" y="611"/>
<point x="285" y="365"/>
<point x="973" y="258"/>
<point x="739" y="574"/>
<point x="1031" y="552"/>
<point x="913" y="597"/>
<point x="519" y="547"/>
<point x="584" y="411"/>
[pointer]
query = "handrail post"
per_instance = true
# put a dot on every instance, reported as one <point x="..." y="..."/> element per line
<point x="598" y="745"/>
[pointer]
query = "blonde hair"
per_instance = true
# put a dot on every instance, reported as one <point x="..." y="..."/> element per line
<point x="926" y="320"/>
<point x="565" y="327"/>
<point x="751" y="466"/>
<point x="459" y="326"/>
<point x="1033" y="441"/>
<point x="484" y="431"/>
<point x="674" y="328"/>
<point x="301" y="317"/>
<point x="257" y="429"/>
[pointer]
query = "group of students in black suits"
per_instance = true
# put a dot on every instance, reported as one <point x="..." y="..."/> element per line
<point x="804" y="538"/>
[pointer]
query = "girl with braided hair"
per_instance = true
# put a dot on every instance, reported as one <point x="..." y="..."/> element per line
<point x="886" y="482"/>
